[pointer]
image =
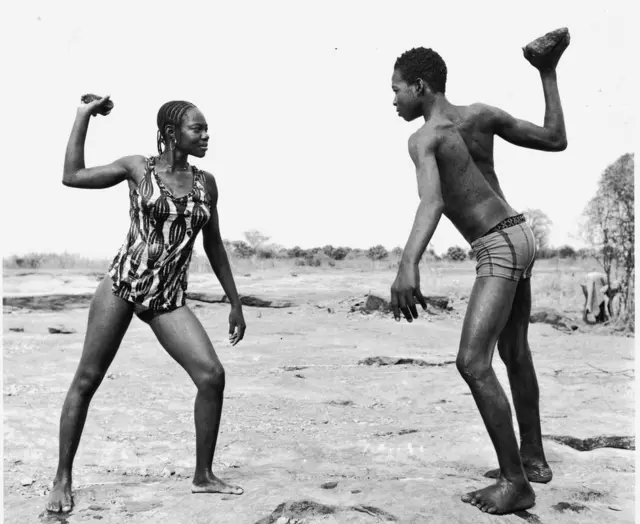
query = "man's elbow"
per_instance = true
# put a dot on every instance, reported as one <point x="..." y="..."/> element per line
<point x="558" y="144"/>
<point x="561" y="145"/>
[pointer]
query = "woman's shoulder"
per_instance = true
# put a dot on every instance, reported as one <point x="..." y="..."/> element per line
<point x="134" y="162"/>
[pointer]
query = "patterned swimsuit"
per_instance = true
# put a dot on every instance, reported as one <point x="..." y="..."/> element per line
<point x="151" y="269"/>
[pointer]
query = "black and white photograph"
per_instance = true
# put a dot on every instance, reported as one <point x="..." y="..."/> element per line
<point x="330" y="262"/>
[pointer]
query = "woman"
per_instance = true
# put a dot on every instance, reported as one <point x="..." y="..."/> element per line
<point x="171" y="202"/>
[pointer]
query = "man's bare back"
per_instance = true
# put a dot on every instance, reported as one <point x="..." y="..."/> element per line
<point x="479" y="123"/>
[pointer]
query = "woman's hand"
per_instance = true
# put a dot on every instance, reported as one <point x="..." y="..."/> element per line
<point x="95" y="105"/>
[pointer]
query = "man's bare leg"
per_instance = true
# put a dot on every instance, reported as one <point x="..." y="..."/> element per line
<point x="513" y="346"/>
<point x="487" y="314"/>
<point x="183" y="337"/>
<point x="109" y="318"/>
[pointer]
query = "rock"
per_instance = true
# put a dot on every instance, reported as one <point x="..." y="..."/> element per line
<point x="329" y="485"/>
<point x="26" y="481"/>
<point x="60" y="329"/>
<point x="564" y="506"/>
<point x="282" y="520"/>
<point x="245" y="300"/>
<point x="49" y="302"/>
<point x="615" y="508"/>
<point x="589" y="444"/>
<point x="17" y="330"/>
<point x="373" y="303"/>
<point x="341" y="402"/>
<point x="210" y="298"/>
<point x="438" y="302"/>
<point x="330" y="310"/>
<point x="355" y="491"/>
<point x="545" y="44"/>
<point x="396" y="361"/>
<point x="552" y="317"/>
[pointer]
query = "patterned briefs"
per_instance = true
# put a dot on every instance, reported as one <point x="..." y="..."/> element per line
<point x="507" y="250"/>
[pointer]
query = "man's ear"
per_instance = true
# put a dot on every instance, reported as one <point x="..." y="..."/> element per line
<point x="422" y="88"/>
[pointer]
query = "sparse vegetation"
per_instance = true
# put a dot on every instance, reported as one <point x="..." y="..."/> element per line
<point x="455" y="254"/>
<point x="609" y="227"/>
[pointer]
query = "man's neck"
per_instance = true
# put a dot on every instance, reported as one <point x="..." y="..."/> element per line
<point x="439" y="106"/>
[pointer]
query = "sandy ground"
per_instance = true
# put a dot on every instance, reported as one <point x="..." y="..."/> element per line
<point x="402" y="443"/>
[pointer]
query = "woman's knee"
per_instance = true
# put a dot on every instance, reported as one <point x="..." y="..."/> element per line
<point x="87" y="381"/>
<point x="211" y="379"/>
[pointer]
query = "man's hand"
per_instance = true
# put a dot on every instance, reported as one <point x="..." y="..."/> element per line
<point x="237" y="325"/>
<point x="405" y="291"/>
<point x="545" y="52"/>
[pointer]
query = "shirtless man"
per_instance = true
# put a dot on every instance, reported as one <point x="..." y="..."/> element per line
<point x="453" y="155"/>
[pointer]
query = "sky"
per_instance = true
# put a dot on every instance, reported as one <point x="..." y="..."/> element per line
<point x="305" y="144"/>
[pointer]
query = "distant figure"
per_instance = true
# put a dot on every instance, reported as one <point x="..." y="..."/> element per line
<point x="453" y="155"/>
<point x="599" y="298"/>
<point x="170" y="203"/>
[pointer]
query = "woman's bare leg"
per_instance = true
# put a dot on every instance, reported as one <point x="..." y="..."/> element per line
<point x="109" y="318"/>
<point x="182" y="335"/>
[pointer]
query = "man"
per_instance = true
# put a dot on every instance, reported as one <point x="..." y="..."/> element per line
<point x="453" y="155"/>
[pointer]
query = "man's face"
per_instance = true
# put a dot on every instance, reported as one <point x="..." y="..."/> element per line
<point x="406" y="100"/>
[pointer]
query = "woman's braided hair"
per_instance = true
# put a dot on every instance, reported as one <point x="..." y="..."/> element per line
<point x="171" y="113"/>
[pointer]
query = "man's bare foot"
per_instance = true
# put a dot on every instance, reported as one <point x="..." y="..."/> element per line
<point x="503" y="497"/>
<point x="545" y="52"/>
<point x="536" y="470"/>
<point x="212" y="484"/>
<point x="60" y="498"/>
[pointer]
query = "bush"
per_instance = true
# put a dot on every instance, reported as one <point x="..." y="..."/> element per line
<point x="471" y="254"/>
<point x="242" y="249"/>
<point x="339" y="253"/>
<point x="296" y="252"/>
<point x="397" y="251"/>
<point x="456" y="254"/>
<point x="566" y="252"/>
<point x="265" y="253"/>
<point x="378" y="252"/>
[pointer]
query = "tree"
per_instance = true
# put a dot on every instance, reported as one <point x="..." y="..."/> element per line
<point x="540" y="224"/>
<point x="397" y="251"/>
<point x="255" y="238"/>
<point x="378" y="252"/>
<point x="456" y="254"/>
<point x="610" y="225"/>
<point x="566" y="251"/>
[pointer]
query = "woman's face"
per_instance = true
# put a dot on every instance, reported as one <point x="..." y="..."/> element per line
<point x="193" y="137"/>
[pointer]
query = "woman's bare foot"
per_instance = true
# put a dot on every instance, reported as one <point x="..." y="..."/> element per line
<point x="60" y="498"/>
<point x="536" y="470"/>
<point x="211" y="484"/>
<point x="503" y="497"/>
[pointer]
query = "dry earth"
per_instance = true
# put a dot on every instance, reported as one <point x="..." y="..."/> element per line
<point x="310" y="433"/>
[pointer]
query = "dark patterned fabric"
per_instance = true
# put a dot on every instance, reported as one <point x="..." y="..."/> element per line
<point x="507" y="222"/>
<point x="151" y="268"/>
